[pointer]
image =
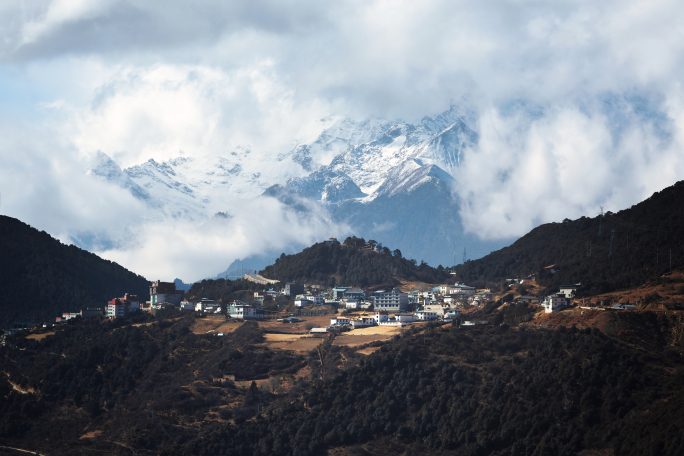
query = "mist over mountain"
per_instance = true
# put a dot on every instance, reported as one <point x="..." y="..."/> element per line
<point x="438" y="190"/>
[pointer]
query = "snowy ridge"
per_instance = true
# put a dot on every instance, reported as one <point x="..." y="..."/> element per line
<point x="348" y="161"/>
<point x="106" y="169"/>
<point x="395" y="157"/>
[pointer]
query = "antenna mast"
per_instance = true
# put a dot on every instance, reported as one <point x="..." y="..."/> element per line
<point x="600" y="222"/>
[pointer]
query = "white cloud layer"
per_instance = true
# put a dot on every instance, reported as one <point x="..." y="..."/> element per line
<point x="564" y="164"/>
<point x="142" y="79"/>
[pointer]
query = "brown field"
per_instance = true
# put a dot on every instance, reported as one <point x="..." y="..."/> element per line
<point x="204" y="325"/>
<point x="283" y="337"/>
<point x="355" y="341"/>
<point x="407" y="286"/>
<point x="39" y="336"/>
<point x="319" y="321"/>
<point x="296" y="342"/>
<point x="371" y="330"/>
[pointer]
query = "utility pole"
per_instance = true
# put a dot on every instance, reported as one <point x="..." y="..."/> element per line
<point x="601" y="222"/>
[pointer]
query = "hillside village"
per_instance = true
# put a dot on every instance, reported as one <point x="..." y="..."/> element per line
<point x="349" y="307"/>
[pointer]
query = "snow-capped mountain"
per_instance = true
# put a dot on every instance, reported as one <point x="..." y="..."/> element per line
<point x="397" y="187"/>
<point x="381" y="164"/>
<point x="390" y="180"/>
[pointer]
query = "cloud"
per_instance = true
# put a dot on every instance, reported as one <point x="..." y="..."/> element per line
<point x="529" y="169"/>
<point x="43" y="183"/>
<point x="195" y="251"/>
<point x="163" y="111"/>
<point x="142" y="79"/>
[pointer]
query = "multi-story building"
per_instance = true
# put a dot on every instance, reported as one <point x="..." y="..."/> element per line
<point x="293" y="289"/>
<point x="354" y="293"/>
<point x="568" y="291"/>
<point x="553" y="303"/>
<point x="118" y="307"/>
<point x="462" y="289"/>
<point x="165" y="292"/>
<point x="115" y="308"/>
<point x="393" y="300"/>
<point x="204" y="305"/>
<point x="188" y="305"/>
<point x="363" y="321"/>
<point x="338" y="292"/>
<point x="239" y="309"/>
<point x="425" y="315"/>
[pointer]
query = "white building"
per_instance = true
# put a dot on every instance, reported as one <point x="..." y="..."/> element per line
<point x="239" y="309"/>
<point x="187" y="305"/>
<point x="115" y="308"/>
<point x="352" y="304"/>
<point x="380" y="316"/>
<point x="568" y="291"/>
<point x="554" y="303"/>
<point x="362" y="322"/>
<point x="481" y="296"/>
<point x="462" y="289"/>
<point x="204" y="305"/>
<point x="302" y="302"/>
<point x="424" y="315"/>
<point x="161" y="292"/>
<point x="339" y="321"/>
<point x="405" y="317"/>
<point x="392" y="301"/>
<point x="436" y="308"/>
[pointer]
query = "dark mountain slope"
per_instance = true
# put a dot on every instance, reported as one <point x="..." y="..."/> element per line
<point x="635" y="245"/>
<point x="40" y="277"/>
<point x="348" y="265"/>
<point x="486" y="391"/>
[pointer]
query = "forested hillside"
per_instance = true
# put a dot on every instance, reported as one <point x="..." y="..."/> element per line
<point x="432" y="390"/>
<point x="619" y="250"/>
<point x="140" y="378"/>
<point x="348" y="264"/>
<point x="40" y="277"/>
<point x="488" y="391"/>
<point x="224" y="289"/>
